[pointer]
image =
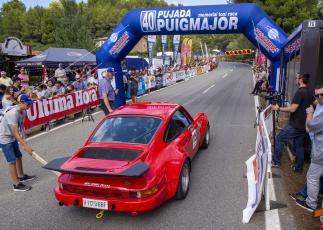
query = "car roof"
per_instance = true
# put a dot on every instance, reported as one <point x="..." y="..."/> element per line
<point x="157" y="109"/>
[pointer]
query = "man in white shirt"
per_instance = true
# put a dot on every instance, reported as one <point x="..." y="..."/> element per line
<point x="60" y="73"/>
<point x="4" y="79"/>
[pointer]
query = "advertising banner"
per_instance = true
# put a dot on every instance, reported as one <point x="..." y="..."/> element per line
<point x="147" y="82"/>
<point x="180" y="75"/>
<point x="43" y="111"/>
<point x="159" y="81"/>
<point x="151" y="48"/>
<point x="256" y="171"/>
<point x="176" y="41"/>
<point x="193" y="72"/>
<point x="118" y="41"/>
<point x="183" y="51"/>
<point x="200" y="70"/>
<point x="189" y="46"/>
<point x="141" y="86"/>
<point x="268" y="119"/>
<point x="164" y="43"/>
<point x="169" y="78"/>
<point x="270" y="38"/>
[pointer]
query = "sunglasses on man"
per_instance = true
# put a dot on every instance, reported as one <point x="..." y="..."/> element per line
<point x="318" y="95"/>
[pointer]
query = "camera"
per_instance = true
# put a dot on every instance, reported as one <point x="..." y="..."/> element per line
<point x="274" y="97"/>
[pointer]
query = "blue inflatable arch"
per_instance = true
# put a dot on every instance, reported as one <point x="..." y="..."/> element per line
<point x="248" y="19"/>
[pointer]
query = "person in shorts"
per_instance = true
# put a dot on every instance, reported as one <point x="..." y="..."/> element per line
<point x="11" y="132"/>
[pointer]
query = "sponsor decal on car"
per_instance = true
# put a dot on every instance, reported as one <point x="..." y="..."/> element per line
<point x="97" y="185"/>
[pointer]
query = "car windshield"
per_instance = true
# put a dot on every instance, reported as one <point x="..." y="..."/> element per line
<point x="127" y="129"/>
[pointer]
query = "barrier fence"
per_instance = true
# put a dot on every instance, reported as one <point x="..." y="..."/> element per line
<point x="46" y="110"/>
<point x="169" y="78"/>
<point x="259" y="174"/>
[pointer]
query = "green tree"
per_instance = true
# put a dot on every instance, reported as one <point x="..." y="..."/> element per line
<point x="288" y="13"/>
<point x="72" y="29"/>
<point x="32" y="25"/>
<point x="12" y="14"/>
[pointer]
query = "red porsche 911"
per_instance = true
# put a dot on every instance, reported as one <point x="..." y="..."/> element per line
<point x="138" y="157"/>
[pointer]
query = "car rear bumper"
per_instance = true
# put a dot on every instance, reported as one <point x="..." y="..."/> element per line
<point x="118" y="205"/>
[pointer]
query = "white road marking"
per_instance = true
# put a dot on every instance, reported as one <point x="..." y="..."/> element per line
<point x="272" y="221"/>
<point x="225" y="75"/>
<point x="205" y="91"/>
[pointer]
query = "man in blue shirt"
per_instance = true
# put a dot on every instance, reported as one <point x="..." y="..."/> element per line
<point x="78" y="83"/>
<point x="106" y="91"/>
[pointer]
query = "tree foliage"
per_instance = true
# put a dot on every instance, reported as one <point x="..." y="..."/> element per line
<point x="288" y="13"/>
<point x="66" y="23"/>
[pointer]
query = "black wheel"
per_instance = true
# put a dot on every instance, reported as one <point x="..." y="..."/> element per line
<point x="183" y="182"/>
<point x="206" y="140"/>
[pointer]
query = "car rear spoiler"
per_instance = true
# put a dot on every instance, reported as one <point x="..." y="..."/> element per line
<point x="136" y="170"/>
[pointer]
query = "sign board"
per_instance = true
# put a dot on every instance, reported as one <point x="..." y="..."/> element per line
<point x="14" y="47"/>
<point x="257" y="171"/>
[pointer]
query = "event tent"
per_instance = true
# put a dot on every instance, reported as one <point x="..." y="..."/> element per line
<point x="53" y="56"/>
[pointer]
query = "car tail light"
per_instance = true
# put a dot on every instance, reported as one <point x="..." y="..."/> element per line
<point x="60" y="185"/>
<point x="145" y="193"/>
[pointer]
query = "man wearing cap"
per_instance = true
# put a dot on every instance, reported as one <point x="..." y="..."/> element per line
<point x="106" y="91"/>
<point x="11" y="130"/>
<point x="78" y="83"/>
<point x="4" y="79"/>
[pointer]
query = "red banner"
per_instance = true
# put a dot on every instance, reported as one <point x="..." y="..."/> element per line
<point x="43" y="111"/>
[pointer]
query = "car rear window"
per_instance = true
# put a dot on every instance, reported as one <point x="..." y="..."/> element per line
<point x="127" y="129"/>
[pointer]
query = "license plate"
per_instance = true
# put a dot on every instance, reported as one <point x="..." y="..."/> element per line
<point x="97" y="204"/>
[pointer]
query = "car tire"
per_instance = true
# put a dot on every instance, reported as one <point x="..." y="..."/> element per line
<point x="184" y="181"/>
<point x="206" y="140"/>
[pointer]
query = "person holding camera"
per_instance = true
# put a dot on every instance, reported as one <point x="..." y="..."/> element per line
<point x="295" y="129"/>
<point x="134" y="79"/>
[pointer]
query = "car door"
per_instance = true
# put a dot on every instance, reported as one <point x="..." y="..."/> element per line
<point x="195" y="129"/>
<point x="178" y="132"/>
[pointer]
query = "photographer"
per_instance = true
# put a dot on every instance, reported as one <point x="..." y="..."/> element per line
<point x="295" y="129"/>
<point x="134" y="78"/>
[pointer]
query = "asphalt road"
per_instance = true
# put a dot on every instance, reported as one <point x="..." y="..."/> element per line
<point x="218" y="191"/>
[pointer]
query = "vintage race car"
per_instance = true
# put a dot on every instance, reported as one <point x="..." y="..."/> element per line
<point x="138" y="157"/>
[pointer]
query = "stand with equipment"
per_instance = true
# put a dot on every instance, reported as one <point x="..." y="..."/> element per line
<point x="87" y="113"/>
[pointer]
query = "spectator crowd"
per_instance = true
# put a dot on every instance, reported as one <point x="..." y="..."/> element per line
<point x="305" y="120"/>
<point x="62" y="82"/>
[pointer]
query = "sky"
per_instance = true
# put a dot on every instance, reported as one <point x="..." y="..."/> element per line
<point x="31" y="3"/>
